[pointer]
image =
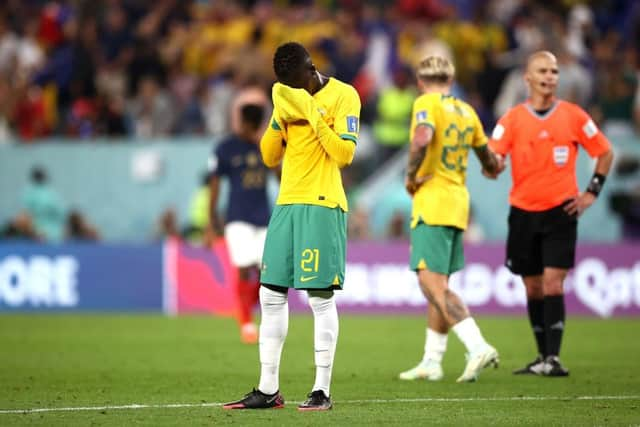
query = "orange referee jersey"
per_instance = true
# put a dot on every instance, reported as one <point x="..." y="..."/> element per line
<point x="544" y="149"/>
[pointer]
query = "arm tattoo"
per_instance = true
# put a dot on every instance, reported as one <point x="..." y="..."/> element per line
<point x="456" y="309"/>
<point x="487" y="158"/>
<point x="415" y="159"/>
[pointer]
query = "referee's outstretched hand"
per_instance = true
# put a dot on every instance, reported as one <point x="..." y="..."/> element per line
<point x="578" y="205"/>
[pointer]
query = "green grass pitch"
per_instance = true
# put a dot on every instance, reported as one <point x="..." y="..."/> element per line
<point x="101" y="362"/>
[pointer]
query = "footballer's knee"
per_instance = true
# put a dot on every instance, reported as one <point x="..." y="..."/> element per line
<point x="534" y="287"/>
<point x="553" y="280"/>
<point x="321" y="301"/>
<point x="272" y="295"/>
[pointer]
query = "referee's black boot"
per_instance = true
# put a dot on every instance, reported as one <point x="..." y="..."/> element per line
<point x="553" y="367"/>
<point x="533" y="368"/>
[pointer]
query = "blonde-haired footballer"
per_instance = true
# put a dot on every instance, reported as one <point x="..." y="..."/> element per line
<point x="313" y="133"/>
<point x="443" y="129"/>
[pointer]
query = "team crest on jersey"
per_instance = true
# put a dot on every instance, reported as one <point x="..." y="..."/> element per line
<point x="352" y="124"/>
<point x="421" y="116"/>
<point x="252" y="160"/>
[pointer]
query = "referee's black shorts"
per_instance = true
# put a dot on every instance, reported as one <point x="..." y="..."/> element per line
<point x="541" y="239"/>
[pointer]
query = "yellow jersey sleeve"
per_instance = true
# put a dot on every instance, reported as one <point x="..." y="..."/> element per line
<point x="272" y="143"/>
<point x="423" y="114"/>
<point x="347" y="119"/>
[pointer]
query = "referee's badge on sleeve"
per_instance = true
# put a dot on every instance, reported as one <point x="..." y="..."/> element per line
<point x="590" y="129"/>
<point x="352" y="124"/>
<point x="498" y="131"/>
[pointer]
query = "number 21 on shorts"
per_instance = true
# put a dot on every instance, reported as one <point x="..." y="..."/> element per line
<point x="310" y="260"/>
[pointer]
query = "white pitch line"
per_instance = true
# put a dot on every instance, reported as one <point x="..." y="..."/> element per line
<point x="399" y="400"/>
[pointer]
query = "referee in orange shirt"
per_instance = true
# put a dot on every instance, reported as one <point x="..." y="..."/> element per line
<point x="542" y="136"/>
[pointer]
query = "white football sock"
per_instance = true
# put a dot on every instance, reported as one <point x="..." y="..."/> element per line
<point x="435" y="346"/>
<point x="469" y="333"/>
<point x="273" y="331"/>
<point x="325" y="336"/>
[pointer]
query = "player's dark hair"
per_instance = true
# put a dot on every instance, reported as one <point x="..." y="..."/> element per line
<point x="288" y="59"/>
<point x="252" y="115"/>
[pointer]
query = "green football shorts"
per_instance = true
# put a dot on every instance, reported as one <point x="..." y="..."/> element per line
<point x="305" y="247"/>
<point x="437" y="248"/>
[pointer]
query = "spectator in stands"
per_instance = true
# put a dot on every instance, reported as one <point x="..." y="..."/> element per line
<point x="394" y="114"/>
<point x="398" y="228"/>
<point x="78" y="228"/>
<point x="45" y="205"/>
<point x="358" y="225"/>
<point x="168" y="225"/>
<point x="626" y="201"/>
<point x="199" y="212"/>
<point x="616" y="88"/>
<point x="151" y="110"/>
<point x="8" y="45"/>
<point x="20" y="228"/>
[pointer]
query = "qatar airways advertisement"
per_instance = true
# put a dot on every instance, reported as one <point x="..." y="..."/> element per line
<point x="176" y="278"/>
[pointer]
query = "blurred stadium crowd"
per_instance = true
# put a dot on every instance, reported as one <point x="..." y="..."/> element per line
<point x="147" y="69"/>
<point x="122" y="69"/>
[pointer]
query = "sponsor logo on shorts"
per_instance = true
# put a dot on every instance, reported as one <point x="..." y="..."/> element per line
<point x="307" y="278"/>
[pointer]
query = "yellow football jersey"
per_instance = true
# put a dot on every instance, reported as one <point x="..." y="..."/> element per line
<point x="444" y="199"/>
<point x="309" y="174"/>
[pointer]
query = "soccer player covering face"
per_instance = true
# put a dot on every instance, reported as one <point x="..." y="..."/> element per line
<point x="542" y="136"/>
<point x="313" y="133"/>
<point x="238" y="158"/>
<point x="443" y="130"/>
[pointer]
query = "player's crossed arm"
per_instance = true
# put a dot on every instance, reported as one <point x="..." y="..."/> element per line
<point x="272" y="144"/>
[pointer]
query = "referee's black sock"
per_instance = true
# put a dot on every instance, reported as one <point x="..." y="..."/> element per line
<point x="554" y="316"/>
<point x="535" y="307"/>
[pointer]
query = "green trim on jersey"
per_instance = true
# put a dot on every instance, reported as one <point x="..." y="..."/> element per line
<point x="275" y="125"/>
<point x="436" y="248"/>
<point x="349" y="137"/>
<point x="305" y="247"/>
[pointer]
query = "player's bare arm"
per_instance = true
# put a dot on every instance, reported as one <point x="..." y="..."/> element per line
<point x="585" y="199"/>
<point x="492" y="163"/>
<point x="417" y="153"/>
<point x="215" y="226"/>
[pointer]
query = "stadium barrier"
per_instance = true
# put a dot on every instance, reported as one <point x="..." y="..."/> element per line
<point x="175" y="278"/>
<point x="140" y="179"/>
